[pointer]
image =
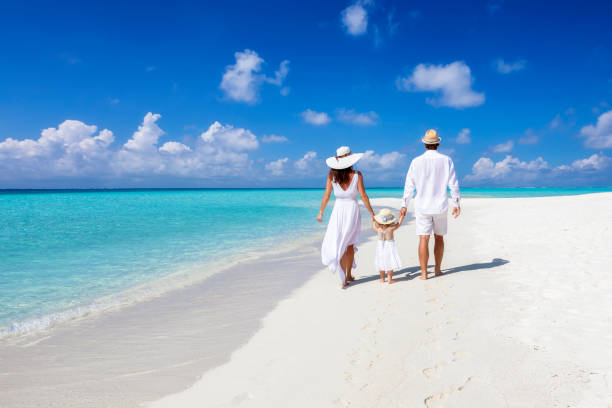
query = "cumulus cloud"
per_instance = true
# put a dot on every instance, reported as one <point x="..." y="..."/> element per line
<point x="595" y="162"/>
<point x="242" y="81"/>
<point x="276" y="167"/>
<point x="306" y="162"/>
<point x="378" y="162"/>
<point x="355" y="19"/>
<point x="599" y="136"/>
<point x="508" y="67"/>
<point x="315" y="118"/>
<point x="486" y="169"/>
<point x="77" y="150"/>
<point x="504" y="147"/>
<point x="174" y="148"/>
<point x="453" y="83"/>
<point x="274" y="139"/>
<point x="464" y="136"/>
<point x="362" y="119"/>
<point x="71" y="149"/>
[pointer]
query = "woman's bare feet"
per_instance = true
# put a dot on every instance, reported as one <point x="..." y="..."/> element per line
<point x="382" y="277"/>
<point x="438" y="273"/>
<point x="344" y="285"/>
<point x="423" y="276"/>
<point x="391" y="281"/>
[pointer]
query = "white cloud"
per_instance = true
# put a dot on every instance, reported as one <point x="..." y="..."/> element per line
<point x="593" y="163"/>
<point x="75" y="150"/>
<point x="306" y="162"/>
<point x="504" y="147"/>
<point x="285" y="91"/>
<point x="529" y="138"/>
<point x="315" y="118"/>
<point x="509" y="167"/>
<point x="71" y="149"/>
<point x="229" y="137"/>
<point x="274" y="139"/>
<point x="599" y="136"/>
<point x="276" y="168"/>
<point x="452" y="81"/>
<point x="464" y="136"/>
<point x="242" y="81"/>
<point x="507" y="67"/>
<point x="174" y="148"/>
<point x="378" y="162"/>
<point x="362" y="119"/>
<point x="355" y="19"/>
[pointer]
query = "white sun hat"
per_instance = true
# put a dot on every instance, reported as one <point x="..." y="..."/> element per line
<point x="343" y="158"/>
<point x="385" y="216"/>
<point x="431" y="137"/>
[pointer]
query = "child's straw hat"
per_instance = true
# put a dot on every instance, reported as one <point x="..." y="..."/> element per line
<point x="385" y="216"/>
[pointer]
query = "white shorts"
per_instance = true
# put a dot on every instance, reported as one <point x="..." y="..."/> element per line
<point x="426" y="224"/>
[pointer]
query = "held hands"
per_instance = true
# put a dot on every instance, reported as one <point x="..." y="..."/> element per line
<point x="403" y="212"/>
<point x="456" y="211"/>
<point x="320" y="217"/>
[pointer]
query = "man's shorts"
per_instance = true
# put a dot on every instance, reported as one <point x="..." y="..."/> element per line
<point x="426" y="224"/>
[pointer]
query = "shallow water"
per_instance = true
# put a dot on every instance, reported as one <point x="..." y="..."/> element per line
<point x="67" y="253"/>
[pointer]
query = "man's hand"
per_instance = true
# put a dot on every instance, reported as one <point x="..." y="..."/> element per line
<point x="456" y="211"/>
<point x="403" y="211"/>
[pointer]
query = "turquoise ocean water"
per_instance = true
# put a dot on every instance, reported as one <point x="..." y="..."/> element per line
<point x="64" y="254"/>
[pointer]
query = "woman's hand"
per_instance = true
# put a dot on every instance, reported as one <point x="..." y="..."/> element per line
<point x="320" y="217"/>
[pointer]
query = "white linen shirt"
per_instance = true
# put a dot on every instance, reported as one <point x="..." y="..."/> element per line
<point x="430" y="174"/>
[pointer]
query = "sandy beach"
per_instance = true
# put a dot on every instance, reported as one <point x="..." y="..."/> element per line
<point x="521" y="317"/>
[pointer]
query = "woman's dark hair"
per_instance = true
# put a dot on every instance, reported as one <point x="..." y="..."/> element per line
<point x="341" y="176"/>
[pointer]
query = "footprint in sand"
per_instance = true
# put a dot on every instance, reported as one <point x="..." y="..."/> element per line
<point x="433" y="372"/>
<point x="432" y="300"/>
<point x="458" y="335"/>
<point x="437" y="400"/>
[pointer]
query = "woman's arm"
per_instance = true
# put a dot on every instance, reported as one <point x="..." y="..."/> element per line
<point x="326" y="195"/>
<point x="364" y="196"/>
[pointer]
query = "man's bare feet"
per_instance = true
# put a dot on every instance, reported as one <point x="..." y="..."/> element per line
<point x="350" y="278"/>
<point x="423" y="276"/>
<point x="344" y="285"/>
<point x="438" y="273"/>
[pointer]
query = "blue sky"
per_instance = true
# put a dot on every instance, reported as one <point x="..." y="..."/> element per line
<point x="241" y="94"/>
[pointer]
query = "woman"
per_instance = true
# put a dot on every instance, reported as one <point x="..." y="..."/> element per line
<point x="338" y="249"/>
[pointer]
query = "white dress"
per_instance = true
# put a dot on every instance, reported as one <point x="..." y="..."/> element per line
<point x="343" y="228"/>
<point x="387" y="257"/>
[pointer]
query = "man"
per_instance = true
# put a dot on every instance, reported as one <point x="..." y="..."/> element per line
<point x="430" y="174"/>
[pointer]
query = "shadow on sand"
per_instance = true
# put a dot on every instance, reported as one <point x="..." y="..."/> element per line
<point x="415" y="271"/>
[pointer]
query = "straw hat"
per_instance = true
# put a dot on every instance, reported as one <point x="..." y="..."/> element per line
<point x="343" y="158"/>
<point x="431" y="137"/>
<point x="385" y="216"/>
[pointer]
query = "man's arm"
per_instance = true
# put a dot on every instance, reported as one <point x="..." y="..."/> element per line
<point x="453" y="185"/>
<point x="408" y="189"/>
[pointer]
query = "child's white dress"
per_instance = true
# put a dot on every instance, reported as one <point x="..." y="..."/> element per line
<point x="387" y="257"/>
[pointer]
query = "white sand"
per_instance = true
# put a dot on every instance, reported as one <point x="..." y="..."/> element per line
<point x="522" y="318"/>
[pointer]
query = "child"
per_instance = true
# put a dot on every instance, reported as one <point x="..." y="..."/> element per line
<point x="387" y="258"/>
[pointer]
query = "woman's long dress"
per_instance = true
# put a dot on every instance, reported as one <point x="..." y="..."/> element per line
<point x="343" y="227"/>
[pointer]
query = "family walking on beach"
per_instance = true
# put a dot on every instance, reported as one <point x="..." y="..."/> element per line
<point x="429" y="174"/>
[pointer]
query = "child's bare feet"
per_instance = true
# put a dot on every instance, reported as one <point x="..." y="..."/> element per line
<point x="382" y="276"/>
<point x="391" y="281"/>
